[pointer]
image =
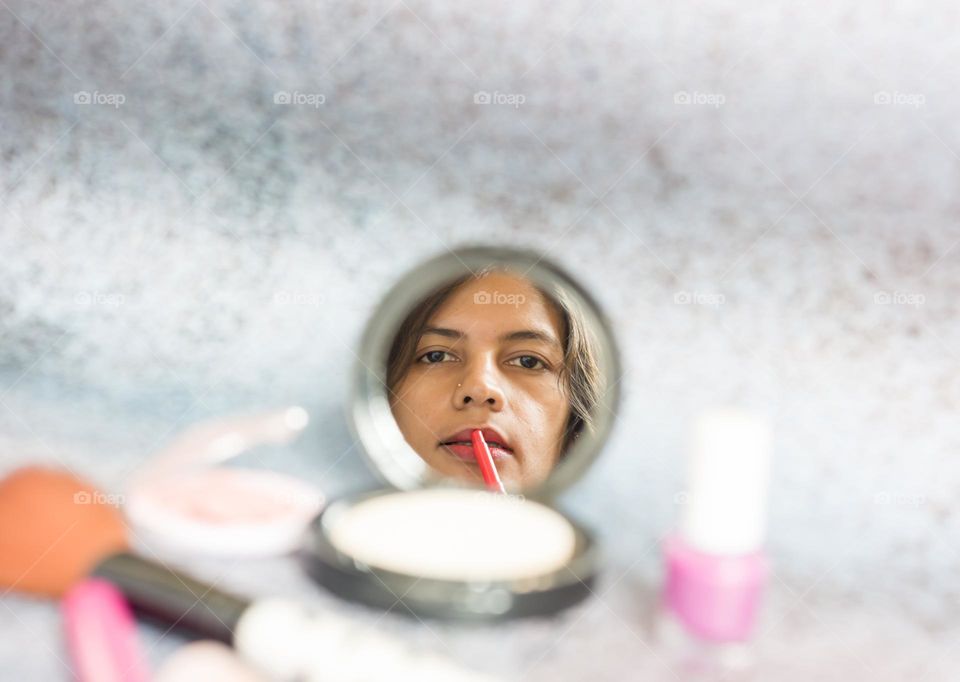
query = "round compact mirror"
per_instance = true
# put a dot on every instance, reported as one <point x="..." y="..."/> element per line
<point x="494" y="340"/>
<point x="486" y="383"/>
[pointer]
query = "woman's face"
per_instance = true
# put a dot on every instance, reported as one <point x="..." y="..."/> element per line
<point x="489" y="358"/>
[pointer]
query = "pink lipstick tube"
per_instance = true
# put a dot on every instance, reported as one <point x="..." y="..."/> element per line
<point x="102" y="634"/>
<point x="715" y="567"/>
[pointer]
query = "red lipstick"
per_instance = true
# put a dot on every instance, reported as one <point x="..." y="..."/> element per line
<point x="487" y="468"/>
<point x="460" y="444"/>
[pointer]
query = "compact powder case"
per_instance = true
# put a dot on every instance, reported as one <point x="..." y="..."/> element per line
<point x="438" y="547"/>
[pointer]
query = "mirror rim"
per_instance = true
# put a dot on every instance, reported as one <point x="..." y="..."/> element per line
<point x="370" y="417"/>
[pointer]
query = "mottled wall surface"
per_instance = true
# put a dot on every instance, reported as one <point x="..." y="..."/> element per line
<point x="202" y="201"/>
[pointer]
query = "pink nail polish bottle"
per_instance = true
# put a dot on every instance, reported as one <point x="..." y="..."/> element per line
<point x="714" y="563"/>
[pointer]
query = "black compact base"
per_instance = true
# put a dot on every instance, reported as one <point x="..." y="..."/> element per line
<point x="445" y="599"/>
<point x="442" y="599"/>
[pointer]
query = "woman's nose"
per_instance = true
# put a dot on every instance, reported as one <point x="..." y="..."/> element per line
<point x="479" y="385"/>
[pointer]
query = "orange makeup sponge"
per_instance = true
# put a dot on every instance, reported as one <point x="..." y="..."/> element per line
<point x="54" y="528"/>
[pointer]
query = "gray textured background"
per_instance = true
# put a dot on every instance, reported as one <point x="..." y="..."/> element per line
<point x="201" y="248"/>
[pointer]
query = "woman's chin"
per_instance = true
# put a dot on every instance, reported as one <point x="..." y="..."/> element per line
<point x="468" y="471"/>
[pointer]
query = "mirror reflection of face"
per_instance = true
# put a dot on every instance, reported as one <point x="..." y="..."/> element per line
<point x="490" y="356"/>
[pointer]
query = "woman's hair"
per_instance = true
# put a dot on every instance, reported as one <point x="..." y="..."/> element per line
<point x="580" y="374"/>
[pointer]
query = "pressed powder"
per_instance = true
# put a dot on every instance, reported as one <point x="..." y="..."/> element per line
<point x="182" y="504"/>
<point x="223" y="511"/>
<point x="455" y="534"/>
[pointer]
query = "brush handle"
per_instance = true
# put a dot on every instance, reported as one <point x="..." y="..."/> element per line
<point x="170" y="596"/>
<point x="280" y="637"/>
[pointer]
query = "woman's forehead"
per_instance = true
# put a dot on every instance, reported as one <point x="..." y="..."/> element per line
<point x="496" y="303"/>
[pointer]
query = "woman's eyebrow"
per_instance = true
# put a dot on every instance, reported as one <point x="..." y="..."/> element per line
<point x="519" y="335"/>
<point x="441" y="331"/>
<point x="530" y="335"/>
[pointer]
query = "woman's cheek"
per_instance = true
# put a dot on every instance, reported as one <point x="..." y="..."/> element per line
<point x="534" y="417"/>
<point x="418" y="420"/>
<point x="551" y="416"/>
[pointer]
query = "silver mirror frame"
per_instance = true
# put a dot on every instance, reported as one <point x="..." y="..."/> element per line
<point x="370" y="417"/>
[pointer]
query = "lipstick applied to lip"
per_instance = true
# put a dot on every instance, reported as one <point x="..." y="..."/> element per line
<point x="487" y="468"/>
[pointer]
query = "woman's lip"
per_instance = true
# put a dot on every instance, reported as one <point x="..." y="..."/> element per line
<point x="465" y="452"/>
<point x="489" y="435"/>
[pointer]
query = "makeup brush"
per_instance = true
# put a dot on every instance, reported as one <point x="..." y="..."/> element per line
<point x="54" y="526"/>
<point x="280" y="637"/>
<point x="55" y="529"/>
<point x="487" y="468"/>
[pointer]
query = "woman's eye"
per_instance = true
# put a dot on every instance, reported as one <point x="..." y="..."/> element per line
<point x="432" y="357"/>
<point x="528" y="362"/>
